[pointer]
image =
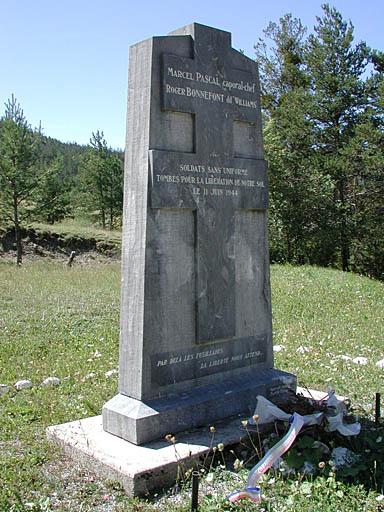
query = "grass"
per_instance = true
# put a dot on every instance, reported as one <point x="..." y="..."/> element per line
<point x="62" y="322"/>
<point x="79" y="229"/>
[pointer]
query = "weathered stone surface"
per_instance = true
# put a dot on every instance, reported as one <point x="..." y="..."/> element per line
<point x="195" y="301"/>
<point x="139" y="469"/>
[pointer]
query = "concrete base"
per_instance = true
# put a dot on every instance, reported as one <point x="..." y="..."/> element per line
<point x="140" y="422"/>
<point x="141" y="470"/>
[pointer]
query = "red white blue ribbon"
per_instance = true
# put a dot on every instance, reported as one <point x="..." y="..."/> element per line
<point x="253" y="492"/>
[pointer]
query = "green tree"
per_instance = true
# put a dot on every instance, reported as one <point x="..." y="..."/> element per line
<point x="19" y="177"/>
<point x="366" y="151"/>
<point x="53" y="196"/>
<point x="101" y="179"/>
<point x="298" y="192"/>
<point x="340" y="96"/>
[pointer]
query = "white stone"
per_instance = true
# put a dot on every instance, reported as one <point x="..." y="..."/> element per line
<point x="4" y="389"/>
<point x="360" y="360"/>
<point x="380" y="364"/>
<point x="51" y="381"/>
<point x="323" y="448"/>
<point x="302" y="350"/>
<point x="23" y="384"/>
<point x="343" y="457"/>
<point x="89" y="376"/>
<point x="308" y="468"/>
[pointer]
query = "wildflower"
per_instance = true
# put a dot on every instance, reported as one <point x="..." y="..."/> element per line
<point x="321" y="465"/>
<point x="170" y="438"/>
<point x="237" y="464"/>
<point x="220" y="447"/>
<point x="244" y="423"/>
<point x="212" y="429"/>
<point x="255" y="418"/>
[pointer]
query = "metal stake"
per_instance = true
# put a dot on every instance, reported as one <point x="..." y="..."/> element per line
<point x="377" y="408"/>
<point x="195" y="491"/>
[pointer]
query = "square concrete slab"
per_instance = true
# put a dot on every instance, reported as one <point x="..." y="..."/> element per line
<point x="145" y="469"/>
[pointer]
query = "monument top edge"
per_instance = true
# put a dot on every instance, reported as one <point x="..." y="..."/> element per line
<point x="192" y="30"/>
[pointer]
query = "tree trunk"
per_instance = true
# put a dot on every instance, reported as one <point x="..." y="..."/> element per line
<point x="19" y="246"/>
<point x="344" y="238"/>
<point x="103" y="217"/>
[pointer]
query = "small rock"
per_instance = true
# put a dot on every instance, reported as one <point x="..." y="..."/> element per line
<point x="380" y="364"/>
<point x="343" y="457"/>
<point x="308" y="468"/>
<point x="51" y="381"/>
<point x="281" y="466"/>
<point x="23" y="384"/>
<point x="110" y="373"/>
<point x="302" y="350"/>
<point x="323" y="448"/>
<point x="4" y="389"/>
<point x="89" y="376"/>
<point x="360" y="360"/>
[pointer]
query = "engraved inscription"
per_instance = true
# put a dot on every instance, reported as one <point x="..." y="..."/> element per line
<point x="246" y="89"/>
<point x="194" y="363"/>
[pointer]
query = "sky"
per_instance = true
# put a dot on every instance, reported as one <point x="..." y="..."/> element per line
<point x="66" y="61"/>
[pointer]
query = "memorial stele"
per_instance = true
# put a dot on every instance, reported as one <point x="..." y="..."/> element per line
<point x="196" y="331"/>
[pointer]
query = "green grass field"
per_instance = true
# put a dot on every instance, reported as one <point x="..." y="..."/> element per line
<point x="56" y="321"/>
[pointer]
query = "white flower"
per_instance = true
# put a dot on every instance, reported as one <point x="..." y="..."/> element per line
<point x="380" y="364"/>
<point x="110" y="373"/>
<point x="278" y="348"/>
<point x="345" y="358"/>
<point x="302" y="349"/>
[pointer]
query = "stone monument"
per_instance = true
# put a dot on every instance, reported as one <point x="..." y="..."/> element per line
<point x="196" y="334"/>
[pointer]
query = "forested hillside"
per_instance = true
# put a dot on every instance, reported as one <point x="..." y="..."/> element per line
<point x="323" y="106"/>
<point x="322" y="99"/>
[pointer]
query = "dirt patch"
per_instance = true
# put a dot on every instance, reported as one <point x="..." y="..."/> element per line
<point x="52" y="246"/>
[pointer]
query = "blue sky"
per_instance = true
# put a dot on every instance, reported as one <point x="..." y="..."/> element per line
<point x="67" y="61"/>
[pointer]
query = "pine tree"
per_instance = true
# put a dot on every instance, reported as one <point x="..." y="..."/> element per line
<point x="18" y="176"/>
<point x="336" y="68"/>
<point x="298" y="192"/>
<point x="101" y="181"/>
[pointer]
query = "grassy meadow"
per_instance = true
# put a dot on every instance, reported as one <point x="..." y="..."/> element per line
<point x="64" y="322"/>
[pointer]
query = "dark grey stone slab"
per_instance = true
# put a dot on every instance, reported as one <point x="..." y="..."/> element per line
<point x="195" y="295"/>
<point x="142" y="421"/>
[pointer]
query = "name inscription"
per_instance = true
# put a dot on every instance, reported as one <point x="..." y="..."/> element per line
<point x="171" y="367"/>
<point x="227" y="88"/>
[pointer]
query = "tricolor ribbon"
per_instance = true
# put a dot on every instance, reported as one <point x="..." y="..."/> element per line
<point x="253" y="492"/>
